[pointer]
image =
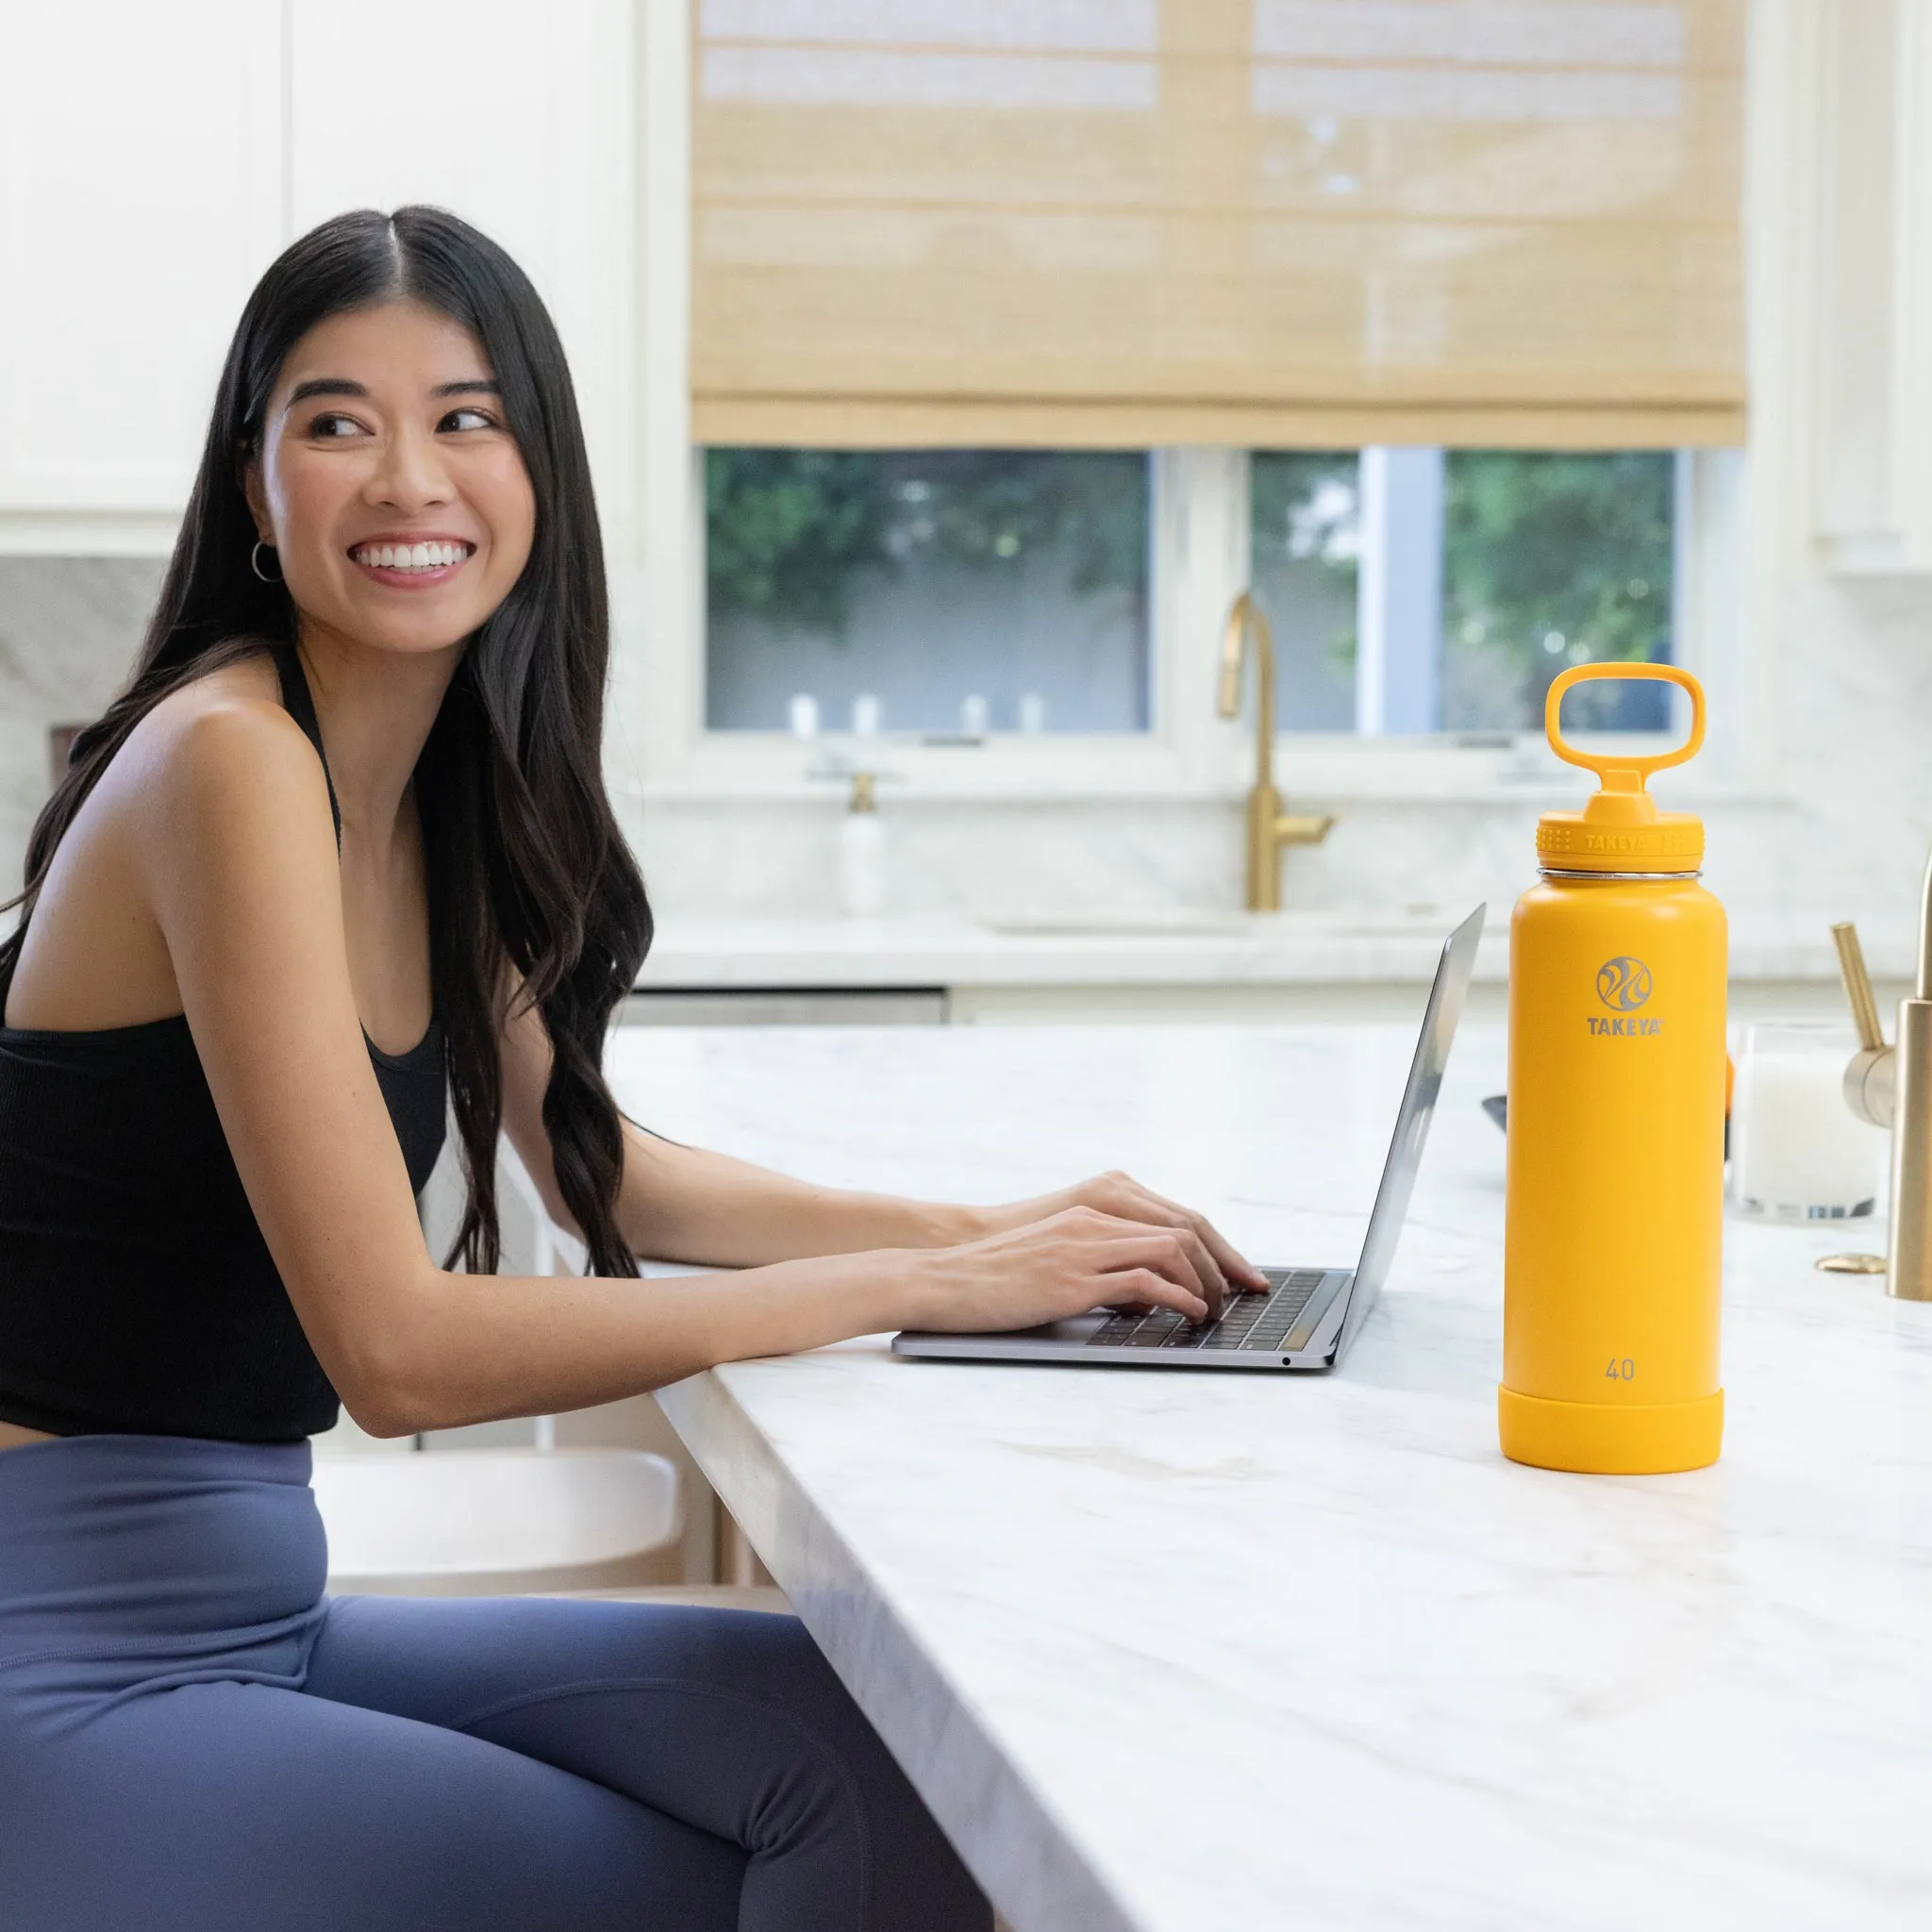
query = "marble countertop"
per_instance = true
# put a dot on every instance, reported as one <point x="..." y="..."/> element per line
<point x="1177" y="948"/>
<point x="1184" y="1653"/>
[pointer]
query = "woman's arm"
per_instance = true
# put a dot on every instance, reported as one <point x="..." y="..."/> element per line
<point x="234" y="850"/>
<point x="684" y="1203"/>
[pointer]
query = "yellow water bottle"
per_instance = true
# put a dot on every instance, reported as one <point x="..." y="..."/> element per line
<point x="1614" y="1245"/>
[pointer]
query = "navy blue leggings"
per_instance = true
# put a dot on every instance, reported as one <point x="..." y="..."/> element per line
<point x="191" y="1735"/>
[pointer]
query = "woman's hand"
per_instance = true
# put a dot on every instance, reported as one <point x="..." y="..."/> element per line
<point x="1068" y="1262"/>
<point x="1124" y="1198"/>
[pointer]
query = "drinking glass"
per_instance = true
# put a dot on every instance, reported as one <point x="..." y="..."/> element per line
<point x="1798" y="1153"/>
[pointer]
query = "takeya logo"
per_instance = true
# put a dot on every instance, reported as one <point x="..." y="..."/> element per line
<point x="1624" y="984"/>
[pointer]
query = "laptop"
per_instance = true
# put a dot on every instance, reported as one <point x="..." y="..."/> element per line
<point x="1310" y="1315"/>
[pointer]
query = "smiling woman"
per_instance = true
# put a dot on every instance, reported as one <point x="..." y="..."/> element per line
<point x="340" y="856"/>
<point x="313" y="478"/>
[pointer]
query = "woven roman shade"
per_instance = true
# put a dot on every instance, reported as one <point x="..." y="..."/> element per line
<point x="1273" y="223"/>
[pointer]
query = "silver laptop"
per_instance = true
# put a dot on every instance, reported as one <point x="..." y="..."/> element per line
<point x="1309" y="1315"/>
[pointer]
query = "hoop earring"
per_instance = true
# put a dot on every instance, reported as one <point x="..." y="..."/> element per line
<point x="255" y="563"/>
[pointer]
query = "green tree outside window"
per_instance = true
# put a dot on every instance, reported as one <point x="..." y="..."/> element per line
<point x="1551" y="560"/>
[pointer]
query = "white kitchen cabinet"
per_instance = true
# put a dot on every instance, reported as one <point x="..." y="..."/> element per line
<point x="153" y="159"/>
<point x="1867" y="268"/>
<point x="140" y="194"/>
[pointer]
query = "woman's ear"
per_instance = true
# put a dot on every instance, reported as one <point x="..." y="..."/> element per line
<point x="257" y="497"/>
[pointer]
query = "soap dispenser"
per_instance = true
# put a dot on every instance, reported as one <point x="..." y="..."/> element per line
<point x="862" y="851"/>
<point x="1614" y="1205"/>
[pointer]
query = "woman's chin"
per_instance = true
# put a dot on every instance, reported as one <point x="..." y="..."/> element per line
<point x="420" y="640"/>
<point x="427" y="623"/>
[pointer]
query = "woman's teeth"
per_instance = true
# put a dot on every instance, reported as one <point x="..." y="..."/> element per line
<point x="410" y="556"/>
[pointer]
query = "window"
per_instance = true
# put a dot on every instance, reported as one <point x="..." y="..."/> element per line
<point x="1417" y="590"/>
<point x="1549" y="562"/>
<point x="989" y="246"/>
<point x="960" y="592"/>
<point x="1304" y="547"/>
<point x="964" y="595"/>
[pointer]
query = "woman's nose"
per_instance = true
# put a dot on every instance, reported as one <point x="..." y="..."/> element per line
<point x="412" y="474"/>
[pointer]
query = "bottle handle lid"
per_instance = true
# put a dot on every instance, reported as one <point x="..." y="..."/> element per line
<point x="1622" y="770"/>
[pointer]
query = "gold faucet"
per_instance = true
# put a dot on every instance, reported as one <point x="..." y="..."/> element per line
<point x="1892" y="1087"/>
<point x="1269" y="827"/>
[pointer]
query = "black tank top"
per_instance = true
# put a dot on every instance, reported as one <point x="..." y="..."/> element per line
<point x="137" y="1294"/>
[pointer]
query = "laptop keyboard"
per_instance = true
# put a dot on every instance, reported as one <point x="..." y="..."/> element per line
<point x="1248" y="1322"/>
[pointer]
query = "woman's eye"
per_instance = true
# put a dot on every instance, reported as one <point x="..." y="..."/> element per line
<point x="333" y="426"/>
<point x="467" y="419"/>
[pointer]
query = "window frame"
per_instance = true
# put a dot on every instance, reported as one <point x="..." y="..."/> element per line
<point x="1199" y="548"/>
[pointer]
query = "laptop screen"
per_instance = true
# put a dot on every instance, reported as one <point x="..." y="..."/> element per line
<point x="1446" y="998"/>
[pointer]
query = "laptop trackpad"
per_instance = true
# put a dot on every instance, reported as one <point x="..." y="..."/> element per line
<point x="1076" y="1329"/>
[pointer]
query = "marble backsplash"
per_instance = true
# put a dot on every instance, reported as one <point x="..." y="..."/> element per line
<point x="1821" y="809"/>
<point x="1827" y="817"/>
<point x="68" y="629"/>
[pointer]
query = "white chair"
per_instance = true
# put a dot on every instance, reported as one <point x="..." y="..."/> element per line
<point x="499" y="1522"/>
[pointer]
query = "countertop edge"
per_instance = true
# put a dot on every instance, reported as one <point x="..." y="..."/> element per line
<point x="1023" y="1857"/>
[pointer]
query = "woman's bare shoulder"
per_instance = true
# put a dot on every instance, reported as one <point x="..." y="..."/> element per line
<point x="229" y="724"/>
<point x="212" y="777"/>
<point x="218" y="749"/>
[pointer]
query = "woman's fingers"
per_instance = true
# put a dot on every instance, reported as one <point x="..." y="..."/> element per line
<point x="1209" y="1269"/>
<point x="1141" y="1204"/>
<point x="1148" y="1287"/>
<point x="1241" y="1271"/>
<point x="1121" y="1247"/>
<point x="1171" y="1256"/>
<point x="1180" y="1238"/>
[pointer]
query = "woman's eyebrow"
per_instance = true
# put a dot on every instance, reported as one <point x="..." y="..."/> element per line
<point x="341" y="386"/>
<point x="324" y="386"/>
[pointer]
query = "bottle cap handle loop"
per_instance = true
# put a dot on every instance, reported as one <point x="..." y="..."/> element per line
<point x="1622" y="770"/>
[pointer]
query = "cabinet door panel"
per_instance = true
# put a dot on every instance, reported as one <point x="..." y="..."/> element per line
<point x="518" y="119"/>
<point x="140" y="191"/>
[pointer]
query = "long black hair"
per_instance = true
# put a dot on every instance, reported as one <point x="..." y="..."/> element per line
<point x="528" y="874"/>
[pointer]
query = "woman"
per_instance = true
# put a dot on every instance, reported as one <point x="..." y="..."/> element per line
<point x="342" y="850"/>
